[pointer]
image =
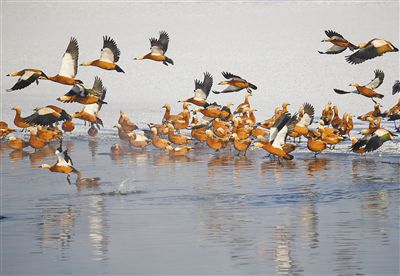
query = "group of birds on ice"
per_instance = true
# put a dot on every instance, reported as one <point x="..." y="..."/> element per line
<point x="219" y="126"/>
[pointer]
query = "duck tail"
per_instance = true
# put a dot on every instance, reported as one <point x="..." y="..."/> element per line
<point x="252" y="86"/>
<point x="168" y="60"/>
<point x="353" y="47"/>
<point x="380" y="96"/>
<point x="99" y="122"/>
<point x="119" y="69"/>
<point x="288" y="157"/>
<point x="395" y="49"/>
<point x="338" y="91"/>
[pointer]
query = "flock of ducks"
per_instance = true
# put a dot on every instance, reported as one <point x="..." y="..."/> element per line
<point x="217" y="126"/>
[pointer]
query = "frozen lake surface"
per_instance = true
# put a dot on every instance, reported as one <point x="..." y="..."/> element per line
<point x="204" y="213"/>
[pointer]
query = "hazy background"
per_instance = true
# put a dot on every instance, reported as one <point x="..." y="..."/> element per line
<point x="272" y="44"/>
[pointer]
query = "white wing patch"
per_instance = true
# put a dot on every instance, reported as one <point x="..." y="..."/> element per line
<point x="68" y="66"/>
<point x="26" y="75"/>
<point x="199" y="94"/>
<point x="91" y="109"/>
<point x="157" y="51"/>
<point x="107" y="55"/>
<point x="379" y="42"/>
<point x="305" y="121"/>
<point x="280" y="138"/>
<point x="45" y="111"/>
<point x="140" y="136"/>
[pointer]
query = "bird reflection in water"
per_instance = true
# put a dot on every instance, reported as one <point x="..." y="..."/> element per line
<point x="241" y="164"/>
<point x="217" y="162"/>
<point x="309" y="216"/>
<point x="276" y="170"/>
<point x="375" y="205"/>
<point x="229" y="227"/>
<point x="56" y="227"/>
<point x="317" y="166"/>
<point x="17" y="155"/>
<point x="38" y="156"/>
<point x="98" y="227"/>
<point x="93" y="146"/>
<point x="347" y="241"/>
<point x="370" y="171"/>
<point x="139" y="156"/>
<point x="284" y="262"/>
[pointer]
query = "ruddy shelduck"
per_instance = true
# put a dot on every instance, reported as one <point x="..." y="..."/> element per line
<point x="339" y="43"/>
<point x="235" y="84"/>
<point x="109" y="56"/>
<point x="5" y="130"/>
<point x="367" y="90"/>
<point x="26" y="78"/>
<point x="373" y="48"/>
<point x="158" y="49"/>
<point x="47" y="116"/>
<point x="18" y="120"/>
<point x="201" y="90"/>
<point x="69" y="65"/>
<point x="63" y="165"/>
<point x="83" y="95"/>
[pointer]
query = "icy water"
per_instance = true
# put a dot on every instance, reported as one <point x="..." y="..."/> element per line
<point x="204" y="213"/>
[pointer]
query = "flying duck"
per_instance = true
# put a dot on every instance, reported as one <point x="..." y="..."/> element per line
<point x="158" y="49"/>
<point x="367" y="90"/>
<point x="47" y="116"/>
<point x="90" y="112"/>
<point x="26" y="77"/>
<point x="375" y="47"/>
<point x="339" y="43"/>
<point x="201" y="90"/>
<point x="373" y="141"/>
<point x="69" y="65"/>
<point x="63" y="165"/>
<point x="80" y="94"/>
<point x="235" y="83"/>
<point x="109" y="56"/>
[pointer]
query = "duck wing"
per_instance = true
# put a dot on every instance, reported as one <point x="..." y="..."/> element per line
<point x="202" y="89"/>
<point x="110" y="51"/>
<point x="69" y="62"/>
<point x="377" y="80"/>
